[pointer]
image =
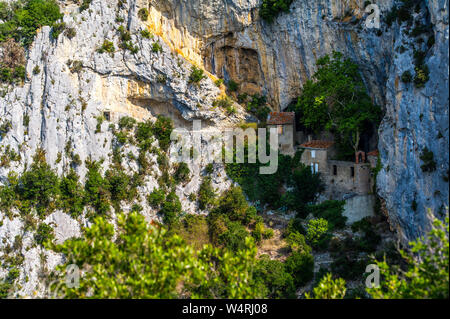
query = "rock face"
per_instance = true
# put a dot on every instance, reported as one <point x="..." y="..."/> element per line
<point x="277" y="59"/>
<point x="59" y="106"/>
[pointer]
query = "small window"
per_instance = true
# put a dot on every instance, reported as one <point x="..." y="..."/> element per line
<point x="312" y="168"/>
<point x="107" y="116"/>
<point x="280" y="130"/>
<point x="316" y="167"/>
<point x="334" y="170"/>
<point x="352" y="171"/>
<point x="313" y="154"/>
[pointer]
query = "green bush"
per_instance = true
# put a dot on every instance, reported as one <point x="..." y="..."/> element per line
<point x="270" y="9"/>
<point x="26" y="17"/>
<point x="316" y="230"/>
<point x="156" y="47"/>
<point x="162" y="129"/>
<point x="45" y="234"/>
<point x="143" y="14"/>
<point x="96" y="189"/>
<point x="301" y="267"/>
<point x="157" y="198"/>
<point x="182" y="173"/>
<point x="39" y="185"/>
<point x="107" y="46"/>
<point x="297" y="242"/>
<point x="332" y="211"/>
<point x="196" y="75"/>
<point x="406" y="77"/>
<point x="258" y="107"/>
<point x="206" y="194"/>
<point x="57" y="29"/>
<point x="72" y="194"/>
<point x="146" y="34"/>
<point x="171" y="209"/>
<point x="127" y="123"/>
<point x="273" y="275"/>
<point x="232" y="86"/>
<point x="427" y="157"/>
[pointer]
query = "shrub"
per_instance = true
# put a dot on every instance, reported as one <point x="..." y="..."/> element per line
<point x="206" y="194"/>
<point x="422" y="76"/>
<point x="96" y="189"/>
<point x="57" y="29"/>
<point x="143" y="14"/>
<point x="232" y="86"/>
<point x="156" y="47"/>
<point x="297" y="242"/>
<point x="332" y="211"/>
<point x="127" y="123"/>
<point x="182" y="173"/>
<point x="406" y="77"/>
<point x="196" y="75"/>
<point x="316" y="230"/>
<point x="224" y="102"/>
<point x="40" y="184"/>
<point x="427" y="157"/>
<point x="26" y="18"/>
<point x="162" y="129"/>
<point x="107" y="46"/>
<point x="328" y="289"/>
<point x="270" y="9"/>
<point x="171" y="209"/>
<point x="72" y="194"/>
<point x="258" y="106"/>
<point x="219" y="82"/>
<point x="85" y="5"/>
<point x="156" y="198"/>
<point x="301" y="267"/>
<point x="234" y="237"/>
<point x="146" y="34"/>
<point x="44" y="234"/>
<point x="70" y="33"/>
<point x="278" y="282"/>
<point x="36" y="70"/>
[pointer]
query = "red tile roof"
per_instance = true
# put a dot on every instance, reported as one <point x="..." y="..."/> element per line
<point x="281" y="118"/>
<point x="317" y="144"/>
<point x="373" y="153"/>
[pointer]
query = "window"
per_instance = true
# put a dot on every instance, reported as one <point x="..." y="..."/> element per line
<point x="280" y="130"/>
<point x="313" y="154"/>
<point x="352" y="171"/>
<point x="334" y="170"/>
<point x="314" y="167"/>
<point x="107" y="116"/>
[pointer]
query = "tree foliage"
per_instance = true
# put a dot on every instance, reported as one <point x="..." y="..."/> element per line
<point x="147" y="262"/>
<point x="336" y="100"/>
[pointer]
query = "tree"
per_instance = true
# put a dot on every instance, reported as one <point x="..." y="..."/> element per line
<point x="336" y="100"/>
<point x="426" y="274"/>
<point x="328" y="289"/>
<point x="148" y="262"/>
<point x="316" y="229"/>
<point x="278" y="282"/>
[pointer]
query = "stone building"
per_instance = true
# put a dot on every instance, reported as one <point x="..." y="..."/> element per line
<point x="341" y="178"/>
<point x="284" y="122"/>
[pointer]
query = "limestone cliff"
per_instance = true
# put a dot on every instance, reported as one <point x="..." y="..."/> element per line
<point x="59" y="106"/>
<point x="277" y="59"/>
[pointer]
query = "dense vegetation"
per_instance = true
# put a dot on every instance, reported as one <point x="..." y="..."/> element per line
<point x="425" y="274"/>
<point x="270" y="9"/>
<point x="20" y="20"/>
<point x="336" y="100"/>
<point x="23" y="18"/>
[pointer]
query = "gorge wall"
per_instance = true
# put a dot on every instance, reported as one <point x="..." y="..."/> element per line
<point x="228" y="39"/>
<point x="276" y="59"/>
